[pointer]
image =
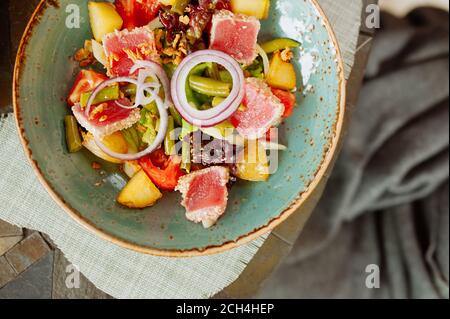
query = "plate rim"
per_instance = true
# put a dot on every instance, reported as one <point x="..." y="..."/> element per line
<point x="302" y="197"/>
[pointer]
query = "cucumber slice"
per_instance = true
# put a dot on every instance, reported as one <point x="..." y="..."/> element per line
<point x="279" y="44"/>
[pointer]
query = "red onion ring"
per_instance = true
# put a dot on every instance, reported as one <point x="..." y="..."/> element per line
<point x="160" y="74"/>
<point x="149" y="69"/>
<point x="164" y="119"/>
<point x="219" y="113"/>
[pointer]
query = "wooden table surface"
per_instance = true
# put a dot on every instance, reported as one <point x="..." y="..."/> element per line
<point x="44" y="275"/>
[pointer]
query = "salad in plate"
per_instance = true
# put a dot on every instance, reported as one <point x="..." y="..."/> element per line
<point x="185" y="100"/>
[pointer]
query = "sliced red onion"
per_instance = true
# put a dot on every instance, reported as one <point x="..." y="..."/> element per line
<point x="147" y="69"/>
<point x="265" y="59"/>
<point x="164" y="117"/>
<point x="101" y="86"/>
<point x="219" y="113"/>
<point x="160" y="74"/>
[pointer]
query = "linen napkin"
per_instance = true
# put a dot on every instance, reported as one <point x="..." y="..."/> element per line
<point x="117" y="271"/>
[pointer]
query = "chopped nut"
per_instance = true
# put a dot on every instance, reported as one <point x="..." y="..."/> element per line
<point x="97" y="110"/>
<point x="85" y="55"/>
<point x="81" y="55"/>
<point x="158" y="39"/>
<point x="287" y="55"/>
<point x="88" y="45"/>
<point x="175" y="42"/>
<point x="185" y="19"/>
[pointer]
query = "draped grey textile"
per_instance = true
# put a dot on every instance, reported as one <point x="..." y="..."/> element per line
<point x="387" y="201"/>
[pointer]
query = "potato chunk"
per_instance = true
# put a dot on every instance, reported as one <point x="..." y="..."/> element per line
<point x="114" y="142"/>
<point x="256" y="8"/>
<point x="253" y="164"/>
<point x="281" y="74"/>
<point x="104" y="19"/>
<point x="140" y="192"/>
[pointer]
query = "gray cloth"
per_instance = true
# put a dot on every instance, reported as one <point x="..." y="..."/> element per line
<point x="387" y="200"/>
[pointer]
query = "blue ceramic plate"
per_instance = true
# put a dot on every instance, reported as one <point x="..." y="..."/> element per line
<point x="44" y="71"/>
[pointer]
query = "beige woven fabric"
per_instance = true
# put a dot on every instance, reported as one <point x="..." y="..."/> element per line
<point x="117" y="271"/>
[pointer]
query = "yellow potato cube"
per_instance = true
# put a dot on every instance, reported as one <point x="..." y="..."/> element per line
<point x="115" y="142"/>
<point x="104" y="19"/>
<point x="253" y="164"/>
<point x="256" y="8"/>
<point x="281" y="74"/>
<point x="140" y="192"/>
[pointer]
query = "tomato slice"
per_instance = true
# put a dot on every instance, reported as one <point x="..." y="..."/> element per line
<point x="137" y="13"/>
<point x="147" y="11"/>
<point x="288" y="99"/>
<point x="164" y="171"/>
<point x="86" y="81"/>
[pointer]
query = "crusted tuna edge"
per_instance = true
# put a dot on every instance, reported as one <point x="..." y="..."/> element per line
<point x="102" y="131"/>
<point x="154" y="57"/>
<point x="263" y="88"/>
<point x="208" y="216"/>
<point x="125" y="32"/>
<point x="224" y="15"/>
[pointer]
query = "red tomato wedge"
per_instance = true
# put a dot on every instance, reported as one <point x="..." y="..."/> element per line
<point x="86" y="81"/>
<point x="288" y="99"/>
<point x="137" y="13"/>
<point x="164" y="171"/>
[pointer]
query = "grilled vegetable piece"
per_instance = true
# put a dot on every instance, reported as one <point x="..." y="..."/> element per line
<point x="140" y="192"/>
<point x="104" y="19"/>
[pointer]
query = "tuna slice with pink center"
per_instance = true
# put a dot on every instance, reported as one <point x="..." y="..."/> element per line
<point x="124" y="48"/>
<point x="205" y="194"/>
<point x="107" y="118"/>
<point x="235" y="35"/>
<point x="261" y="110"/>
